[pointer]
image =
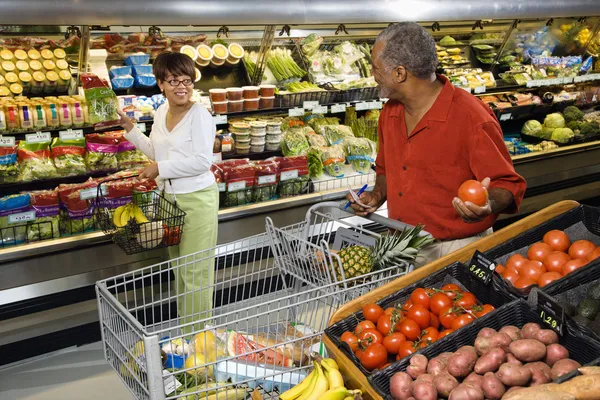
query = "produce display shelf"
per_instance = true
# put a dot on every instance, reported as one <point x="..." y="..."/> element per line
<point x="46" y="184"/>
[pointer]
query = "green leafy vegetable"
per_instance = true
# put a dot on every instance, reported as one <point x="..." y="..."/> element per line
<point x="573" y="113"/>
<point x="294" y="143"/>
<point x="360" y="152"/>
<point x="562" y="135"/>
<point x="283" y="66"/>
<point x="333" y="160"/>
<point x="315" y="164"/>
<point x="68" y="156"/>
<point x="335" y="134"/>
<point x="532" y="128"/>
<point x="554" y="120"/>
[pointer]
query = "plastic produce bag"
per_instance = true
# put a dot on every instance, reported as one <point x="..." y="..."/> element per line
<point x="335" y="134"/>
<point x="35" y="162"/>
<point x="137" y="59"/>
<point x="13" y="232"/>
<point x="360" y="153"/>
<point x="267" y="177"/>
<point x="240" y="181"/>
<point x="293" y="175"/>
<point x="69" y="156"/>
<point x="120" y="70"/>
<point x="102" y="151"/>
<point x="129" y="156"/>
<point x="9" y="169"/>
<point x="102" y="101"/>
<point x="315" y="163"/>
<point x="117" y="193"/>
<point x="76" y="214"/>
<point x="145" y="69"/>
<point x="333" y="160"/>
<point x="316" y="140"/>
<point x="145" y="81"/>
<point x="46" y="223"/>
<point x="122" y="82"/>
<point x="294" y="143"/>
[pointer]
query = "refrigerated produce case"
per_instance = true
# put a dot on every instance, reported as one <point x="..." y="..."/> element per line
<point x="57" y="274"/>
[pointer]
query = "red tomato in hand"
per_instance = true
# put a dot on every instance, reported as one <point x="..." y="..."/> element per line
<point x="435" y="321"/>
<point x="462" y="320"/>
<point x="511" y="274"/>
<point x="351" y="339"/>
<point x="384" y="324"/>
<point x="409" y="328"/>
<point x="480" y="311"/>
<point x="555" y="260"/>
<point x="451" y="290"/>
<point x="362" y="325"/>
<point x="516" y="261"/>
<point x="447" y="316"/>
<point x="466" y="300"/>
<point x="438" y="302"/>
<point x="538" y="251"/>
<point x="374" y="356"/>
<point x="548" y="277"/>
<point x="594" y="254"/>
<point x="372" y="312"/>
<point x="369" y="337"/>
<point x="420" y="296"/>
<point x="557" y="240"/>
<point x="532" y="271"/>
<point x="392" y="342"/>
<point x="474" y="192"/>
<point x="572" y="265"/>
<point x="580" y="249"/>
<point x="420" y="315"/>
<point x="405" y="350"/>
<point x="445" y="333"/>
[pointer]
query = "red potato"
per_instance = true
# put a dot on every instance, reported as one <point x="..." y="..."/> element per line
<point x="555" y="352"/>
<point x="512" y="331"/>
<point x="492" y="388"/>
<point x="540" y="373"/>
<point x="486" y="332"/>
<point x="513" y="375"/>
<point x="466" y="392"/>
<point x="562" y="367"/>
<point x="424" y="390"/>
<point x="418" y="366"/>
<point x="473" y="379"/>
<point x="401" y="386"/>
<point x="468" y="349"/>
<point x="425" y="377"/>
<point x="512" y="359"/>
<point x="461" y="363"/>
<point x="498" y="340"/>
<point x="513" y="389"/>
<point x="528" y="350"/>
<point x="445" y="383"/>
<point x="546" y="336"/>
<point x="438" y="364"/>
<point x="529" y="330"/>
<point x="490" y="361"/>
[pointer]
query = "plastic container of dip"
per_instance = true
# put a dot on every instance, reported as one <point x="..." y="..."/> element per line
<point x="267" y="90"/>
<point x="266" y="102"/>
<point x="220" y="107"/>
<point x="273" y="127"/>
<point x="216" y="63"/>
<point x="254" y="148"/>
<point x="250" y="92"/>
<point x="218" y="95"/>
<point x="189" y="51"/>
<point x="198" y="75"/>
<point x="236" y="105"/>
<point x="257" y="140"/>
<point x="272" y="146"/>
<point x="251" y="104"/>
<point x="242" y="137"/>
<point x="220" y="52"/>
<point x="235" y="93"/>
<point x="205" y="54"/>
<point x="242" y="148"/>
<point x="258" y="128"/>
<point x="236" y="53"/>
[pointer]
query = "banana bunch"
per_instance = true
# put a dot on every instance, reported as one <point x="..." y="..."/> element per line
<point x="124" y="214"/>
<point x="583" y="36"/>
<point x="325" y="382"/>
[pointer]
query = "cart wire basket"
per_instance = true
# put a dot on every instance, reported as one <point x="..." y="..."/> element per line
<point x="253" y="329"/>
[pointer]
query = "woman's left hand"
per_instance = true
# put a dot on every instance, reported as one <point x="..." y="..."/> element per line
<point x="150" y="172"/>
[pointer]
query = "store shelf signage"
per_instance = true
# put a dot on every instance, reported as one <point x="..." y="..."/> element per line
<point x="551" y="314"/>
<point x="220" y="119"/>
<point x="319" y="110"/>
<point x="262" y="180"/>
<point x="38" y="137"/>
<point x="287" y="175"/>
<point x="7" y="141"/>
<point x="296" y="112"/>
<point x="586" y="78"/>
<point x="482" y="267"/>
<point x="376" y="105"/>
<point x="20" y="218"/>
<point x="466" y="89"/>
<point x="506" y="117"/>
<point x="142" y="127"/>
<point x="479" y="89"/>
<point x="362" y="106"/>
<point x="237" y="186"/>
<point x="92" y="193"/>
<point x="310" y="105"/>
<point x="221" y="186"/>
<point x="70" y="134"/>
<point x="338" y="108"/>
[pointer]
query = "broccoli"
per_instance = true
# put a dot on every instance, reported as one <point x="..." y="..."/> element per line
<point x="589" y="129"/>
<point x="574" y="126"/>
<point x="573" y="113"/>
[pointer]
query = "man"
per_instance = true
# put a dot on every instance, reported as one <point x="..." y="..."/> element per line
<point x="432" y="138"/>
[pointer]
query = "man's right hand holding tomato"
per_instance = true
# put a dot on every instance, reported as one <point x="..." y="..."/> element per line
<point x="498" y="199"/>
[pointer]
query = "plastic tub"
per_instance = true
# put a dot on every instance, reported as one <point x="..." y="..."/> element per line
<point x="267" y="102"/>
<point x="251" y="92"/>
<point x="216" y="63"/>
<point x="274" y="137"/>
<point x="189" y="51"/>
<point x="220" y="53"/>
<point x="218" y="95"/>
<point x="273" y="146"/>
<point x="251" y="104"/>
<point x="242" y="137"/>
<point x="205" y="54"/>
<point x="257" y="148"/>
<point x="239" y="127"/>
<point x="236" y="105"/>
<point x="220" y="107"/>
<point x="273" y="127"/>
<point x="242" y="148"/>
<point x="267" y="90"/>
<point x="259" y="128"/>
<point x="257" y="140"/>
<point x="236" y="53"/>
<point x="235" y="94"/>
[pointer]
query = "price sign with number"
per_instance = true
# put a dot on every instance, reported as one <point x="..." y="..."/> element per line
<point x="506" y="117"/>
<point x="320" y="110"/>
<point x="296" y="112"/>
<point x="550" y="313"/>
<point x="376" y="105"/>
<point x="482" y="267"/>
<point x="287" y="175"/>
<point x="535" y="83"/>
<point x="466" y="89"/>
<point x="220" y="119"/>
<point x="70" y="134"/>
<point x="38" y="137"/>
<point x="21" y="218"/>
<point x="92" y="193"/>
<point x="361" y="106"/>
<point x="141" y="127"/>
<point x="310" y="105"/>
<point x="479" y="89"/>
<point x="7" y="141"/>
<point x="338" y="108"/>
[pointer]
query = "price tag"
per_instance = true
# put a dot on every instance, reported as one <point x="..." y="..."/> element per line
<point x="338" y="108"/>
<point x="70" y="134"/>
<point x="7" y="141"/>
<point x="345" y="237"/>
<point x="217" y="157"/>
<point x="170" y="383"/>
<point x="287" y="175"/>
<point x="567" y="80"/>
<point x="320" y="110"/>
<point x="141" y="127"/>
<point x="506" y="117"/>
<point x="466" y="89"/>
<point x="296" y="112"/>
<point x="376" y="105"/>
<point x="550" y="313"/>
<point x="236" y="186"/>
<point x="361" y="106"/>
<point x="220" y="119"/>
<point x="586" y="78"/>
<point x="535" y="83"/>
<point x="92" y="193"/>
<point x="479" y="89"/>
<point x="221" y="186"/>
<point x="309" y="105"/>
<point x="262" y="180"/>
<point x="38" y="137"/>
<point x="482" y="267"/>
<point x="21" y="217"/>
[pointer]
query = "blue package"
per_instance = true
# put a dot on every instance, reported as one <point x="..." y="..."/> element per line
<point x="145" y="69"/>
<point x="15" y="203"/>
<point x="137" y="59"/>
<point x="587" y="64"/>
<point x="145" y="81"/>
<point x="121" y="70"/>
<point x="122" y="82"/>
<point x="158" y="100"/>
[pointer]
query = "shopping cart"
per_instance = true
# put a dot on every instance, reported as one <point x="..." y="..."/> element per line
<point x="307" y="250"/>
<point x="258" y="335"/>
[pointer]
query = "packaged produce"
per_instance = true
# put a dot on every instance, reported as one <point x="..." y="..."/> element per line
<point x="137" y="59"/>
<point x="122" y="82"/>
<point x="76" y="214"/>
<point x="118" y="192"/>
<point x="13" y="232"/>
<point x="293" y="175"/>
<point x="102" y="151"/>
<point x="46" y="223"/>
<point x="129" y="156"/>
<point x="102" y="101"/>
<point x="267" y="178"/>
<point x="145" y="81"/>
<point x="335" y="134"/>
<point x="333" y="160"/>
<point x="218" y="95"/>
<point x="145" y="69"/>
<point x="294" y="143"/>
<point x="267" y="91"/>
<point x="360" y="153"/>
<point x="221" y="107"/>
<point x="9" y="169"/>
<point x="315" y="162"/>
<point x="119" y="70"/>
<point x="69" y="156"/>
<point x="283" y="66"/>
<point x="240" y="180"/>
<point x="35" y="162"/>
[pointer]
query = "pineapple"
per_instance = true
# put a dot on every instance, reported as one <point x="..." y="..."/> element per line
<point x="389" y="249"/>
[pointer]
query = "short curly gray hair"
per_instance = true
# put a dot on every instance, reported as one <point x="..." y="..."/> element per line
<point x="410" y="45"/>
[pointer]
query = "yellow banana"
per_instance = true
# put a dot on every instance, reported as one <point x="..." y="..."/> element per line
<point x="311" y="386"/>
<point x="340" y="393"/>
<point x="117" y="217"/>
<point x="334" y="377"/>
<point x="321" y="384"/>
<point x="297" y="390"/>
<point x="125" y="216"/>
<point x="139" y="216"/>
<point x="229" y="394"/>
<point x="331" y="362"/>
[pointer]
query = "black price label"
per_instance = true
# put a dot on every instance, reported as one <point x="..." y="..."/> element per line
<point x="551" y="314"/>
<point x="482" y="267"/>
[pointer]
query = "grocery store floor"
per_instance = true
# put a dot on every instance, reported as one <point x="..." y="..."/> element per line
<point x="68" y="375"/>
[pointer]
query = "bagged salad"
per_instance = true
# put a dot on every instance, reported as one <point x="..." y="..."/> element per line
<point x="335" y="134"/>
<point x="9" y="169"/>
<point x="220" y="181"/>
<point x="294" y="143"/>
<point x="240" y="180"/>
<point x="129" y="156"/>
<point x="76" y="214"/>
<point x="360" y="153"/>
<point x="333" y="160"/>
<point x="13" y="232"/>
<point x="102" y="101"/>
<point x="46" y="223"/>
<point x="102" y="151"/>
<point x="69" y="156"/>
<point x="35" y="162"/>
<point x="117" y="193"/>
<point x="293" y="175"/>
<point x="315" y="163"/>
<point x="267" y="177"/>
<point x="316" y="140"/>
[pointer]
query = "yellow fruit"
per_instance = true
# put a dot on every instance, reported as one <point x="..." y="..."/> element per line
<point x="198" y="362"/>
<point x="204" y="342"/>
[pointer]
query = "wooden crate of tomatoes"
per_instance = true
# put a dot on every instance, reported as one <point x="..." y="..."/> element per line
<point x="415" y="317"/>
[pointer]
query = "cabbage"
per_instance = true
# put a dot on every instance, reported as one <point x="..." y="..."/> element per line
<point x="546" y="133"/>
<point x="562" y="135"/>
<point x="532" y="128"/>
<point x="554" y="120"/>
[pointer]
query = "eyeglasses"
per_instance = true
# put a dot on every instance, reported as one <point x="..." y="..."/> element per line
<point x="177" y="82"/>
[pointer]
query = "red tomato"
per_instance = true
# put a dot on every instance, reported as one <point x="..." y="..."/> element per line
<point x="447" y="316"/>
<point x="580" y="249"/>
<point x="409" y="328"/>
<point x="524" y="282"/>
<point x="384" y="324"/>
<point x="406" y="349"/>
<point x="548" y="277"/>
<point x="445" y="333"/>
<point x="420" y="315"/>
<point x="407" y="305"/>
<point x="466" y="300"/>
<point x="474" y="192"/>
<point x="511" y="274"/>
<point x="557" y="240"/>
<point x="555" y="260"/>
<point x="172" y="235"/>
<point x="351" y="339"/>
<point x="439" y="301"/>
<point x="420" y="296"/>
<point x="372" y="312"/>
<point x="358" y="353"/>
<point x="435" y="321"/>
<point x="515" y="261"/>
<point x="480" y="311"/>
<point x="451" y="290"/>
<point x="362" y="325"/>
<point x="391" y="310"/>
<point x="500" y="269"/>
<point x="538" y="251"/>
<point x="374" y="356"/>
<point x="572" y="265"/>
<point x="532" y="271"/>
<point x="392" y="342"/>
<point x="462" y="320"/>
<point x="369" y="337"/>
<point x="594" y="254"/>
<point x="430" y="335"/>
<point x="385" y="366"/>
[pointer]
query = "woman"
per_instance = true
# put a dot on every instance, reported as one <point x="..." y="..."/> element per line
<point x="180" y="146"/>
